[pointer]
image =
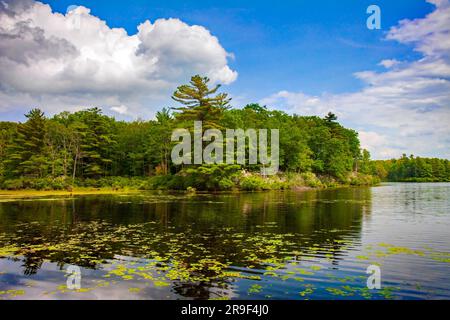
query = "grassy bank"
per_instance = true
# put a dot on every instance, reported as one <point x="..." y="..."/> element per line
<point x="27" y="193"/>
<point x="216" y="179"/>
<point x="204" y="178"/>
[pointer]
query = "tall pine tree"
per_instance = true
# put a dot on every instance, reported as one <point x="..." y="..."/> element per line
<point x="26" y="155"/>
<point x="199" y="104"/>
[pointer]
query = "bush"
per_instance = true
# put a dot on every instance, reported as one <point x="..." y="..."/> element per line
<point x="206" y="177"/>
<point x="176" y="182"/>
<point x="116" y="183"/>
<point x="254" y="183"/>
<point x="13" y="184"/>
<point x="165" y="182"/>
<point x="210" y="177"/>
<point x="226" y="184"/>
<point x="301" y="180"/>
<point x="311" y="180"/>
<point x="60" y="183"/>
<point x="360" y="179"/>
<point x="329" y="181"/>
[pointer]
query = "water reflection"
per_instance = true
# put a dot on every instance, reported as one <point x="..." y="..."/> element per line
<point x="314" y="216"/>
<point x="246" y="245"/>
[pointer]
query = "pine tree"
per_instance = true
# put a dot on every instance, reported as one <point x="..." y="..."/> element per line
<point x="330" y="117"/>
<point x="198" y="103"/>
<point x="97" y="140"/>
<point x="7" y="131"/>
<point x="26" y="155"/>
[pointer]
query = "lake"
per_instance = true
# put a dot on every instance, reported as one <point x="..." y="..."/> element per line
<point x="313" y="244"/>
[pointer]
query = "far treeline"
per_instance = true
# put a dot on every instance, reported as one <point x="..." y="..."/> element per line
<point x="89" y="149"/>
<point x="411" y="169"/>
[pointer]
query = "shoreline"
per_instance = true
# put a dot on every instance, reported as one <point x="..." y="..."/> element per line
<point x="32" y="193"/>
<point x="29" y="193"/>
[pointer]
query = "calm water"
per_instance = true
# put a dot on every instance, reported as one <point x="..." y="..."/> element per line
<point x="274" y="245"/>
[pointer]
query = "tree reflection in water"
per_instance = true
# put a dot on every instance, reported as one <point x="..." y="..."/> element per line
<point x="205" y="238"/>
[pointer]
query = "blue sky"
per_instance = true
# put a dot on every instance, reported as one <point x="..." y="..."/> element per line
<point x="314" y="46"/>
<point x="306" y="57"/>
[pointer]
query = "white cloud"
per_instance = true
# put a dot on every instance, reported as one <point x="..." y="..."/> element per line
<point x="293" y="101"/>
<point x="61" y="61"/>
<point x="430" y="35"/>
<point x="388" y="63"/>
<point x="404" y="109"/>
<point x="374" y="141"/>
<point x="120" y="109"/>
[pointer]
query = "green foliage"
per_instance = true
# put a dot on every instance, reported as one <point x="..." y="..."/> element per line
<point x="254" y="183"/>
<point x="362" y="179"/>
<point x="198" y="103"/>
<point x="330" y="117"/>
<point x="411" y="169"/>
<point x="47" y="183"/>
<point x="7" y="130"/>
<point x="25" y="156"/>
<point x="115" y="183"/>
<point x="211" y="177"/>
<point x="305" y="179"/>
<point x="87" y="148"/>
<point x="96" y="143"/>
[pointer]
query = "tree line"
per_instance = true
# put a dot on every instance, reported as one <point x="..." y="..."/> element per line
<point x="411" y="169"/>
<point x="88" y="145"/>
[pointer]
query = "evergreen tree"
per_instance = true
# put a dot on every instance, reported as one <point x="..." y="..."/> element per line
<point x="7" y="132"/>
<point x="88" y="144"/>
<point x="199" y="104"/>
<point x="27" y="155"/>
<point x="97" y="142"/>
<point x="330" y="117"/>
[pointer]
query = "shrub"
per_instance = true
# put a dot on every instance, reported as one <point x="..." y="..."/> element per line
<point x="210" y="177"/>
<point x="253" y="183"/>
<point x="60" y="183"/>
<point x="13" y="184"/>
<point x="363" y="180"/>
<point x="305" y="179"/>
<point x="162" y="183"/>
<point x="226" y="184"/>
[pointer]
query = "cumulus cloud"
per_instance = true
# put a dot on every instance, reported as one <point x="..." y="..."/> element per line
<point x="374" y="141"/>
<point x="388" y="63"/>
<point x="404" y="109"/>
<point x="67" y="61"/>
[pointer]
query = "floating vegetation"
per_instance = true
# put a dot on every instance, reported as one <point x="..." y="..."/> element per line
<point x="307" y="291"/>
<point x="339" y="292"/>
<point x="12" y="293"/>
<point x="8" y="251"/>
<point x="385" y="250"/>
<point x="256" y="288"/>
<point x="163" y="257"/>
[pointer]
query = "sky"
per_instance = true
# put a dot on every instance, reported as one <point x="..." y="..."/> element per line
<point x="392" y="85"/>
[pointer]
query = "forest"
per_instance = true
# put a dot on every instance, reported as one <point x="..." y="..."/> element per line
<point x="90" y="149"/>
<point x="411" y="169"/>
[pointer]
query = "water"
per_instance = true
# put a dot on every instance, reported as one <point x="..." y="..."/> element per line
<point x="271" y="245"/>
